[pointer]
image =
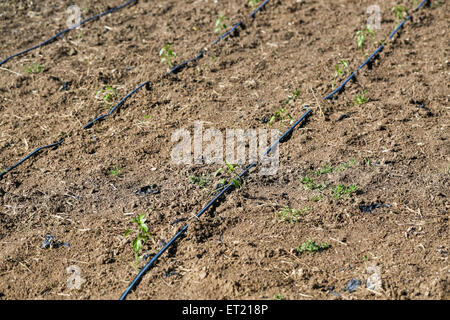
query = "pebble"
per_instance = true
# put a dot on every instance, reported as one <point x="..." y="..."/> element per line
<point x="352" y="285"/>
<point x="153" y="189"/>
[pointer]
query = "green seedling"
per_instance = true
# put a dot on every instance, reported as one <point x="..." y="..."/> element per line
<point x="142" y="235"/>
<point x="316" y="198"/>
<point x="368" y="162"/>
<point x="281" y="115"/>
<point x="278" y="296"/>
<point x="199" y="181"/>
<point x="237" y="182"/>
<point x="326" y="169"/>
<point x="253" y="3"/>
<point x="167" y="55"/>
<point x="323" y="170"/>
<point x="148" y="118"/>
<point x="108" y="94"/>
<point x="116" y="171"/>
<point x="292" y="215"/>
<point x="341" y="70"/>
<point x="231" y="167"/>
<point x="218" y="172"/>
<point x="311" y="185"/>
<point x="341" y="190"/>
<point x="292" y="97"/>
<point x="235" y="179"/>
<point x="360" y="99"/>
<point x="311" y="246"/>
<point x="34" y="68"/>
<point x="220" y="23"/>
<point x="362" y="35"/>
<point x="366" y="256"/>
<point x="346" y="165"/>
<point x="400" y="12"/>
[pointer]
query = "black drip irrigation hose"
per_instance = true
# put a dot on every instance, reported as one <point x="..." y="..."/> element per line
<point x="245" y="172"/>
<point x="373" y="55"/>
<point x="29" y="156"/>
<point x="176" y="68"/>
<point x="209" y="205"/>
<point x="103" y="116"/>
<point x="59" y="34"/>
<point x="121" y="102"/>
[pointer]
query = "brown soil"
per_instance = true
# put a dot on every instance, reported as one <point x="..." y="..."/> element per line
<point x="240" y="250"/>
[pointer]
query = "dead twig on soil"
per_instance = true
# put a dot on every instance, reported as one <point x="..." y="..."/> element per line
<point x="16" y="73"/>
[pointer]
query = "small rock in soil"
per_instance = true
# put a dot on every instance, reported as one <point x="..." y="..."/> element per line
<point x="66" y="86"/>
<point x="352" y="285"/>
<point x="372" y="207"/>
<point x="153" y="189"/>
<point x="50" y="241"/>
<point x="170" y="274"/>
<point x="344" y="116"/>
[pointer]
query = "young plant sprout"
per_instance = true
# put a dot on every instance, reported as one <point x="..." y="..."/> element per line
<point x="280" y="115"/>
<point x="34" y="68"/>
<point x="220" y="23"/>
<point x="292" y="97"/>
<point x="167" y="55"/>
<point x="148" y="117"/>
<point x="340" y="190"/>
<point x="116" y="171"/>
<point x="312" y="246"/>
<point x="400" y="12"/>
<point x="341" y="70"/>
<point x="199" y="181"/>
<point x="362" y="35"/>
<point x="311" y="185"/>
<point x="360" y="99"/>
<point x="107" y="95"/>
<point x="292" y="215"/>
<point x="231" y="172"/>
<point x="142" y="235"/>
<point x="253" y="3"/>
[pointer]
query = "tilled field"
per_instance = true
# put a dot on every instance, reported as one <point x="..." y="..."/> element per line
<point x="393" y="148"/>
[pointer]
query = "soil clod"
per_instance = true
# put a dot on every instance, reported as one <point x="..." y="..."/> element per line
<point x="144" y="191"/>
<point x="372" y="207"/>
<point x="50" y="242"/>
<point x="352" y="285"/>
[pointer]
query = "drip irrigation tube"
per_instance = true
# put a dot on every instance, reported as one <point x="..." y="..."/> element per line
<point x="121" y="102"/>
<point x="380" y="48"/>
<point x="175" y="69"/>
<point x="398" y="28"/>
<point x="245" y="172"/>
<point x="30" y="155"/>
<point x="373" y="55"/>
<point x="178" y="67"/>
<point x="54" y="38"/>
<point x="214" y="200"/>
